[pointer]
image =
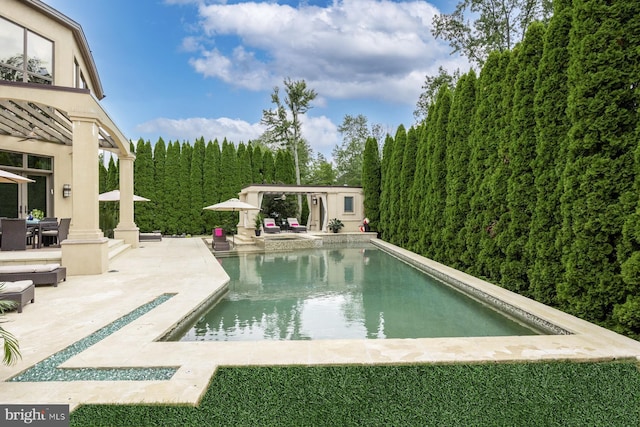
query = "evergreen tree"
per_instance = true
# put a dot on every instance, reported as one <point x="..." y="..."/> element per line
<point x="626" y="314"/>
<point x="284" y="168"/>
<point x="229" y="184"/>
<point x="184" y="200"/>
<point x="521" y="192"/>
<point x="211" y="184"/>
<point x="143" y="185"/>
<point x="385" y="185"/>
<point x="158" y="196"/>
<point x="244" y="165"/>
<point x="196" y="184"/>
<point x="268" y="167"/>
<point x="480" y="222"/>
<point x="493" y="248"/>
<point x="371" y="181"/>
<point x="599" y="175"/>
<point x="550" y="104"/>
<point x="256" y="165"/>
<point x="419" y="230"/>
<point x="436" y="188"/>
<point x="395" y="174"/>
<point x="457" y="165"/>
<point x="171" y="211"/>
<point x="402" y="223"/>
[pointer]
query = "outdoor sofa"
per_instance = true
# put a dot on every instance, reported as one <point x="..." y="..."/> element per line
<point x="40" y="274"/>
<point x="22" y="292"/>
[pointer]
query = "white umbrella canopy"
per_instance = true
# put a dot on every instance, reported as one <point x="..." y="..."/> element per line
<point x="232" y="205"/>
<point x="114" y="196"/>
<point x="13" y="178"/>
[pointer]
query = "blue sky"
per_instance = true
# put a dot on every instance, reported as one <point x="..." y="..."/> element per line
<point x="181" y="69"/>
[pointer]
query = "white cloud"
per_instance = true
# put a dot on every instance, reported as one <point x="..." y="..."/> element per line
<point x="378" y="50"/>
<point x="321" y="132"/>
<point x="351" y="48"/>
<point x="190" y="129"/>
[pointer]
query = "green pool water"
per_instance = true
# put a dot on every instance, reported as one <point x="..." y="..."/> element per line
<point x="341" y="293"/>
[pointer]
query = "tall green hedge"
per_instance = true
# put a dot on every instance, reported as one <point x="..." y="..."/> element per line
<point x="539" y="175"/>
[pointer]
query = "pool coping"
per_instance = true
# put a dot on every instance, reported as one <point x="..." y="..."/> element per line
<point x="137" y="345"/>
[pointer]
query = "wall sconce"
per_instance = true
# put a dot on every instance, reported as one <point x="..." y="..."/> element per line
<point x="66" y="190"/>
<point x="314" y="200"/>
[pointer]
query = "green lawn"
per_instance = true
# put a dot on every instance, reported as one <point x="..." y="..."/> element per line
<point x="491" y="394"/>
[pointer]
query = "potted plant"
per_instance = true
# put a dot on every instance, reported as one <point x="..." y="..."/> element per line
<point x="258" y="223"/>
<point x="335" y="225"/>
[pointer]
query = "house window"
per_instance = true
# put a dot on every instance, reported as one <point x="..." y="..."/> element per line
<point x="39" y="162"/>
<point x="78" y="78"/>
<point x="348" y="204"/>
<point x="24" y="55"/>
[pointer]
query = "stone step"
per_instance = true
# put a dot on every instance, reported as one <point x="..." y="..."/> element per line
<point x="117" y="247"/>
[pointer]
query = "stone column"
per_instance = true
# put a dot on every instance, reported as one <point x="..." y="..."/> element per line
<point x="86" y="249"/>
<point x="126" y="229"/>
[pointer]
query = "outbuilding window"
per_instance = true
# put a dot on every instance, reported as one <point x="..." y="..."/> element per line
<point x="348" y="204"/>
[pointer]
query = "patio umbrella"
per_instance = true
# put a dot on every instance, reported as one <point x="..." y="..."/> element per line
<point x="114" y="196"/>
<point x="13" y="178"/>
<point x="232" y="205"/>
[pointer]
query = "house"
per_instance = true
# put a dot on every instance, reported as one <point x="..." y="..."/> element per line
<point x="52" y="127"/>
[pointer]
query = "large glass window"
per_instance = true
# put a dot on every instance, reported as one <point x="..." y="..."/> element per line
<point x="18" y="43"/>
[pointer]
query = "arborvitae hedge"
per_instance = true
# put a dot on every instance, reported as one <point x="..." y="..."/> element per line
<point x="457" y="165"/>
<point x="481" y="222"/>
<point x="371" y="181"/>
<point x="599" y="175"/>
<point x="521" y="192"/>
<point x="547" y="196"/>
<point x="418" y="228"/>
<point x="436" y="197"/>
<point x="407" y="173"/>
<point x="552" y="126"/>
<point x="144" y="185"/>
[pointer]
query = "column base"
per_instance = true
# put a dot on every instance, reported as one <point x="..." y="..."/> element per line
<point x="84" y="257"/>
<point x="130" y="236"/>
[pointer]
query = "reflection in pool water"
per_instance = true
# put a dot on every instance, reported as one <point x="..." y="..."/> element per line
<point x="341" y="293"/>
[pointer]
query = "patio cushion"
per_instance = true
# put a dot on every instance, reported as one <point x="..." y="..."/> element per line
<point x="18" y="286"/>
<point x="34" y="268"/>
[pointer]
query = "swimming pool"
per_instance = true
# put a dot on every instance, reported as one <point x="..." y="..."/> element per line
<point x="342" y="293"/>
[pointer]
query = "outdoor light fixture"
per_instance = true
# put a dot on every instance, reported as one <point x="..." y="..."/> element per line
<point x="66" y="190"/>
<point x="314" y="200"/>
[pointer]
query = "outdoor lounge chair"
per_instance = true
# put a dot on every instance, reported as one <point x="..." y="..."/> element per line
<point x="21" y="292"/>
<point x="270" y="226"/>
<point x="295" y="226"/>
<point x="40" y="274"/>
<point x="220" y="242"/>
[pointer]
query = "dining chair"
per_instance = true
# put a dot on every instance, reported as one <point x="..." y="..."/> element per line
<point x="53" y="233"/>
<point x="47" y="231"/>
<point x="14" y="234"/>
